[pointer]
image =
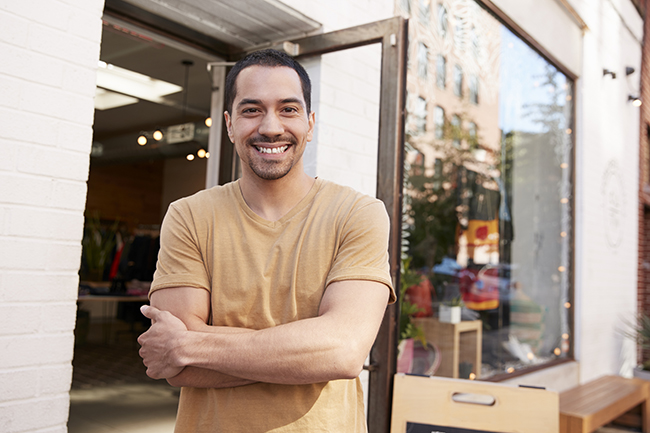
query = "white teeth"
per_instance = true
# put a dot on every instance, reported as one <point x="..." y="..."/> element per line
<point x="272" y="149"/>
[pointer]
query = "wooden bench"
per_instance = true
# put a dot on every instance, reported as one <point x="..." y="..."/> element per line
<point x="590" y="406"/>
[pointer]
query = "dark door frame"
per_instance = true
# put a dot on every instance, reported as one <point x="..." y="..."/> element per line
<point x="392" y="34"/>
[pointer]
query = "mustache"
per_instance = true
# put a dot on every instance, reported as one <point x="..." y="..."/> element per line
<point x="271" y="140"/>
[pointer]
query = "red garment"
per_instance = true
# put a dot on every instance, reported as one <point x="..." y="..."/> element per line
<point x="420" y="295"/>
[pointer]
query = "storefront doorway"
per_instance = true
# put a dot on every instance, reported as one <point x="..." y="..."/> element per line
<point x="149" y="150"/>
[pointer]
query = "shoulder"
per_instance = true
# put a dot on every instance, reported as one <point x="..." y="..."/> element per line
<point x="335" y="194"/>
<point x="206" y="199"/>
<point x="351" y="207"/>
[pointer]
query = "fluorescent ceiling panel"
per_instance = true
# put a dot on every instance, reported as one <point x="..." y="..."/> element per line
<point x="105" y="99"/>
<point x="126" y="82"/>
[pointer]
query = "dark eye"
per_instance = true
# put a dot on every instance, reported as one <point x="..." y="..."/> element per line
<point x="250" y="110"/>
<point x="290" y="109"/>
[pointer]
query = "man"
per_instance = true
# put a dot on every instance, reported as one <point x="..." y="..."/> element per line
<point x="269" y="291"/>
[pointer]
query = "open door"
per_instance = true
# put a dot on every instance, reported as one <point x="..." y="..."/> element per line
<point x="391" y="35"/>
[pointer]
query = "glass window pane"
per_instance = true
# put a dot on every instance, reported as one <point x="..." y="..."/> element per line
<point x="423" y="60"/>
<point x="441" y="71"/>
<point x="439" y="119"/>
<point x="458" y="80"/>
<point x="442" y="20"/>
<point x="456" y="130"/>
<point x="473" y="89"/>
<point x="488" y="210"/>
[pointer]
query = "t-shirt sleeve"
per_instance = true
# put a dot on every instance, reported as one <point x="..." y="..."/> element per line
<point x="363" y="249"/>
<point x="180" y="263"/>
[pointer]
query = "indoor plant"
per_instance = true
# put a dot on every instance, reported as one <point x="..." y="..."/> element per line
<point x="450" y="311"/>
<point x="640" y="333"/>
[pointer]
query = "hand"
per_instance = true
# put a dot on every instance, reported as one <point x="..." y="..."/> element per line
<point x="159" y="343"/>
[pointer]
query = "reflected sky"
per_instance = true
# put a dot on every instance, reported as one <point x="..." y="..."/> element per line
<point x="523" y="73"/>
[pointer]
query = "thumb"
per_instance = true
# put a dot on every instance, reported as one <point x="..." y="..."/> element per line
<point x="149" y="312"/>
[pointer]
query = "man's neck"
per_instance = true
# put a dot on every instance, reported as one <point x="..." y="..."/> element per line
<point x="273" y="199"/>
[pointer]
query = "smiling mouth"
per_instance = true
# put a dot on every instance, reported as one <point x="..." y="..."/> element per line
<point x="272" y="150"/>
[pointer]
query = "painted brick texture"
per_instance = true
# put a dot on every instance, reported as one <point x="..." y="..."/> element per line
<point x="47" y="83"/>
<point x="643" y="285"/>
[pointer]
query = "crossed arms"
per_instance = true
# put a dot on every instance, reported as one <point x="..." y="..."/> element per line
<point x="181" y="347"/>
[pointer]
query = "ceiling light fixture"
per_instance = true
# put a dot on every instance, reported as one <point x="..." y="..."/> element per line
<point x="158" y="135"/>
<point x="133" y="84"/>
<point x="636" y="100"/>
<point x="142" y="140"/>
<point x="208" y="122"/>
<point x="201" y="153"/>
<point x="190" y="157"/>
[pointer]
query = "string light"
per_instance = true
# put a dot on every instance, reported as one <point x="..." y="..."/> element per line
<point x="208" y="122"/>
<point x="190" y="157"/>
<point x="201" y="153"/>
<point x="157" y="135"/>
<point x="142" y="140"/>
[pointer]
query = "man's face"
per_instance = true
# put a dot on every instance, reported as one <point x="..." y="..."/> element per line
<point x="269" y="124"/>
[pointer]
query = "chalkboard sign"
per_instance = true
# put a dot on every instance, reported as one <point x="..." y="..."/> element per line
<point x="427" y="428"/>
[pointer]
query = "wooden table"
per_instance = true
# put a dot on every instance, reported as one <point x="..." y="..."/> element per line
<point x="107" y="301"/>
<point x="457" y="342"/>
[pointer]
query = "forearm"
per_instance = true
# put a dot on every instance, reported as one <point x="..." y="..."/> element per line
<point x="196" y="377"/>
<point x="305" y="351"/>
<point x="333" y="345"/>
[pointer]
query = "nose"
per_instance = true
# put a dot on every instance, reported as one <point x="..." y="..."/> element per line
<point x="271" y="125"/>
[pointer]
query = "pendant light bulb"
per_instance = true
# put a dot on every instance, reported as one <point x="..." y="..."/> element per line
<point x="208" y="122"/>
<point x="142" y="140"/>
<point x="157" y="135"/>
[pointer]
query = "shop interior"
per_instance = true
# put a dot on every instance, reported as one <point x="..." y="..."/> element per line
<point x="150" y="147"/>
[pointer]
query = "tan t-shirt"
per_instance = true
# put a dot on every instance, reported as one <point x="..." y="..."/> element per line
<point x="262" y="274"/>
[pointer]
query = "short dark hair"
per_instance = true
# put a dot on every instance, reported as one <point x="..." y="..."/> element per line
<point x="270" y="58"/>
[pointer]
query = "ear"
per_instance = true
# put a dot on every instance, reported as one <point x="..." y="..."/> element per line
<point x="312" y="122"/>
<point x="228" y="120"/>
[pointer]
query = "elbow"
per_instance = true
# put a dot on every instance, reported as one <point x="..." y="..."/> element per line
<point x="173" y="381"/>
<point x="350" y="364"/>
<point x="177" y="381"/>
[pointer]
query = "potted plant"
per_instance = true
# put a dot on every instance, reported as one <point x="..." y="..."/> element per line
<point x="98" y="244"/>
<point x="415" y="354"/>
<point x="640" y="333"/>
<point x="450" y="311"/>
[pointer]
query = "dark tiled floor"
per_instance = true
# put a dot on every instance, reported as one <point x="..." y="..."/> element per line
<point x="111" y="392"/>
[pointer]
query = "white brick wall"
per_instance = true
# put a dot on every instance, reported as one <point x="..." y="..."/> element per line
<point x="47" y="83"/>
